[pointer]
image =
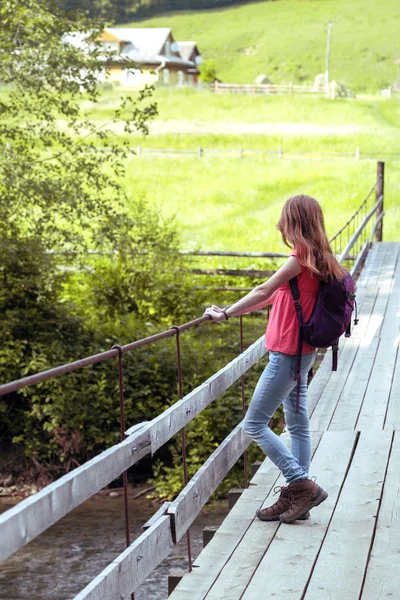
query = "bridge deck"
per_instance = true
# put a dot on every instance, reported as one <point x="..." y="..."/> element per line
<point x="349" y="548"/>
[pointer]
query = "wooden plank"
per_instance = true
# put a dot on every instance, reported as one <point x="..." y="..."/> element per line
<point x="119" y="579"/>
<point x="323" y="399"/>
<point x="22" y="523"/>
<point x="365" y="302"/>
<point x="212" y="559"/>
<point x="177" y="416"/>
<point x="161" y="512"/>
<point x="392" y="419"/>
<point x="195" y="585"/>
<point x="366" y="313"/>
<point x="390" y="324"/>
<point x="392" y="313"/>
<point x="297" y="546"/>
<point x="340" y="566"/>
<point x="321" y="379"/>
<point x="351" y="398"/>
<point x="385" y="284"/>
<point x="325" y="408"/>
<point x="374" y="407"/>
<point x="193" y="497"/>
<point x="383" y="573"/>
<point x="373" y="264"/>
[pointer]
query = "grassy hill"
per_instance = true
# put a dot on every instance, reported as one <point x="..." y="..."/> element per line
<point x="286" y="40"/>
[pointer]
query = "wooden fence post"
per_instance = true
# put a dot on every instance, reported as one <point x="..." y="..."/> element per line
<point x="173" y="579"/>
<point x="380" y="192"/>
<point x="200" y="151"/>
<point x="208" y="533"/>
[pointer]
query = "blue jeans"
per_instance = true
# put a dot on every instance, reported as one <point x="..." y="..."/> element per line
<point x="277" y="385"/>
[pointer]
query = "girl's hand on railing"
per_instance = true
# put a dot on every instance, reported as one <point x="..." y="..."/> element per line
<point x="216" y="314"/>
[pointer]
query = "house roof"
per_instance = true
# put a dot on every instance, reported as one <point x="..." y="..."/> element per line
<point x="166" y="61"/>
<point x="142" y="42"/>
<point x="107" y="36"/>
<point x="186" y="49"/>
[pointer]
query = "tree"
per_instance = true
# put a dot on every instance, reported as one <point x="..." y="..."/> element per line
<point x="208" y="71"/>
<point x="61" y="200"/>
<point x="55" y="183"/>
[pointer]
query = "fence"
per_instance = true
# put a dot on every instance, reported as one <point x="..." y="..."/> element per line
<point x="278" y="153"/>
<point x="171" y="522"/>
<point x="263" y="88"/>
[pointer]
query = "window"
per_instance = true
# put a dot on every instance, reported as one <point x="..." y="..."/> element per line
<point x="165" y="75"/>
<point x="181" y="78"/>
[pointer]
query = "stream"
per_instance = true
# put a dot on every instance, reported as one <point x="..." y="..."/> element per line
<point x="65" y="558"/>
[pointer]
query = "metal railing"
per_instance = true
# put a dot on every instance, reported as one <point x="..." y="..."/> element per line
<point x="35" y="514"/>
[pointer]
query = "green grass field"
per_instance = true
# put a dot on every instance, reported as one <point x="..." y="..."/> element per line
<point x="286" y="40"/>
<point x="202" y="105"/>
<point x="232" y="204"/>
<point x="224" y="202"/>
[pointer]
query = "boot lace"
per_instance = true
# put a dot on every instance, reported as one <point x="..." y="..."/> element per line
<point x="285" y="492"/>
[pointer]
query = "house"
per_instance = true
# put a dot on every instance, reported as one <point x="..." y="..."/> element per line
<point x="148" y="55"/>
<point x="189" y="51"/>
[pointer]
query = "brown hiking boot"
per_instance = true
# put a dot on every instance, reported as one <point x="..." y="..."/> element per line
<point x="304" y="495"/>
<point x="271" y="513"/>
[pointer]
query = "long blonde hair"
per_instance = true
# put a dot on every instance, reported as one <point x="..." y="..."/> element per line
<point x="302" y="227"/>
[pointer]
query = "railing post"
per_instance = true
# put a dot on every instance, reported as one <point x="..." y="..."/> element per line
<point x="246" y="480"/>
<point x="183" y="438"/>
<point x="380" y="192"/>
<point x="122" y="428"/>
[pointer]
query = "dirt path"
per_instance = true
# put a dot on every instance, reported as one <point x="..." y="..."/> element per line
<point x="192" y="127"/>
<point x="226" y="128"/>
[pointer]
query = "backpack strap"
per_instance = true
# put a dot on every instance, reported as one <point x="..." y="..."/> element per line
<point x="294" y="288"/>
<point x="335" y="348"/>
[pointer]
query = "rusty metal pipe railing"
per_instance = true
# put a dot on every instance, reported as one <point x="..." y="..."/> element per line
<point x="17" y="384"/>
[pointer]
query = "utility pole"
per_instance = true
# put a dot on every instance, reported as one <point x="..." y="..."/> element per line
<point x="328" y="53"/>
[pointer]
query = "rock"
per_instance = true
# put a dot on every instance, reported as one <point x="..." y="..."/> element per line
<point x="339" y="90"/>
<point x="113" y="494"/>
<point x="319" y="83"/>
<point x="262" y="80"/>
<point x="395" y="87"/>
<point x="9" y="480"/>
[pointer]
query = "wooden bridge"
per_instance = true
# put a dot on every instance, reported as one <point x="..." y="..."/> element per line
<point x="350" y="546"/>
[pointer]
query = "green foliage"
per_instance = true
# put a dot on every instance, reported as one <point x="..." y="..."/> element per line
<point x="208" y="71"/>
<point x="122" y="10"/>
<point x="54" y="184"/>
<point x="78" y="271"/>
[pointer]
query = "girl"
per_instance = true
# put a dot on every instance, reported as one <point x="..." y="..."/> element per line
<point x="302" y="227"/>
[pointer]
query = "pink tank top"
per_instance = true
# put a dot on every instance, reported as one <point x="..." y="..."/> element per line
<point x="282" y="329"/>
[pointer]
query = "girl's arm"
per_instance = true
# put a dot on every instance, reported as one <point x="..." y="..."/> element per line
<point x="261" y="294"/>
<point x="260" y="305"/>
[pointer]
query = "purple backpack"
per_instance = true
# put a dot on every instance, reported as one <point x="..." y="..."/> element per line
<point x="330" y="318"/>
